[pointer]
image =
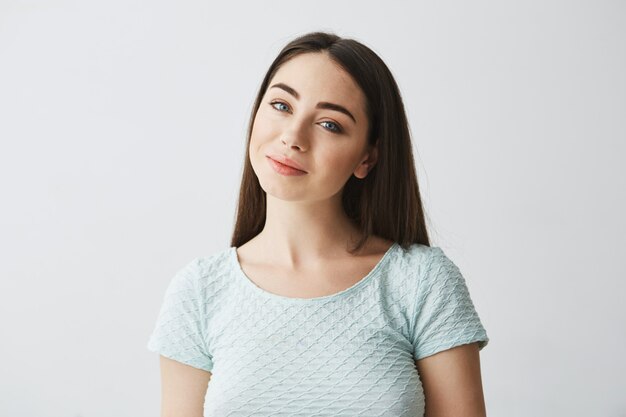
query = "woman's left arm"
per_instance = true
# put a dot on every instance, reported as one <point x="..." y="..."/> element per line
<point x="452" y="383"/>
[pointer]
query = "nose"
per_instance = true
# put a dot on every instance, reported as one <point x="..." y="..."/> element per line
<point x="295" y="134"/>
<point x="292" y="144"/>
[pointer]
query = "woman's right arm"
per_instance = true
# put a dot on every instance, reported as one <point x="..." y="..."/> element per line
<point x="183" y="388"/>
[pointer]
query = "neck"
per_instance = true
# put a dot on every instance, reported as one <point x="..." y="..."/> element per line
<point x="303" y="233"/>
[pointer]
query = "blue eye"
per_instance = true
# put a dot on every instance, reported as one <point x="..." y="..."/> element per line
<point x="280" y="103"/>
<point x="335" y="129"/>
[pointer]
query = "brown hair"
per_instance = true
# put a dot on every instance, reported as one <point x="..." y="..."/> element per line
<point x="387" y="201"/>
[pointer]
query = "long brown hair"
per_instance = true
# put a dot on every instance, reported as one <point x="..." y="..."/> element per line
<point x="387" y="201"/>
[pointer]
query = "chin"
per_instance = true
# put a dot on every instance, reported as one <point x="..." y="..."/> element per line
<point x="280" y="191"/>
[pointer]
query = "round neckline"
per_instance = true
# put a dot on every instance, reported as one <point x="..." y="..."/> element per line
<point x="249" y="283"/>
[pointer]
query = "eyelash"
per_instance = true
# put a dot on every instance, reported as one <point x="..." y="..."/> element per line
<point x="337" y="129"/>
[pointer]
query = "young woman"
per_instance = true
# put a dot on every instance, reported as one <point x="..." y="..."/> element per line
<point x="330" y="300"/>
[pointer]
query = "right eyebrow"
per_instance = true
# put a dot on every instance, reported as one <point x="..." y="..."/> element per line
<point x="287" y="89"/>
<point x="320" y="105"/>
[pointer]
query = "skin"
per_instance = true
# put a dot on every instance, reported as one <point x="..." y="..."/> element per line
<point x="183" y="388"/>
<point x="308" y="205"/>
<point x="281" y="261"/>
<point x="452" y="382"/>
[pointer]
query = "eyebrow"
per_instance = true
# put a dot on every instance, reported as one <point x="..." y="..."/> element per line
<point x="320" y="105"/>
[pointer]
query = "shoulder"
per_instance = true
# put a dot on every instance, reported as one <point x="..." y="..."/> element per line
<point x="418" y="269"/>
<point x="423" y="259"/>
<point x="416" y="257"/>
<point x="433" y="271"/>
<point x="206" y="270"/>
<point x="404" y="270"/>
<point x="444" y="314"/>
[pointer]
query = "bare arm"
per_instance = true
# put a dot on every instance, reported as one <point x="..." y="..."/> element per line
<point x="183" y="388"/>
<point x="452" y="382"/>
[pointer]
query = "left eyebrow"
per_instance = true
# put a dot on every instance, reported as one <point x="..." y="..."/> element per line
<point x="320" y="105"/>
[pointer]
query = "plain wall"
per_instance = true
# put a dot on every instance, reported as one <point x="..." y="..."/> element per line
<point x="122" y="136"/>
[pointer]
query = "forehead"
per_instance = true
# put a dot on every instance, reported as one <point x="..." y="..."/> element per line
<point x="316" y="77"/>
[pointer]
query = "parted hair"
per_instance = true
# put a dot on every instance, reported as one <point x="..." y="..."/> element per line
<point x="387" y="201"/>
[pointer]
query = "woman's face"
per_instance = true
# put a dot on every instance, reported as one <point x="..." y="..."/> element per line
<point x="296" y="121"/>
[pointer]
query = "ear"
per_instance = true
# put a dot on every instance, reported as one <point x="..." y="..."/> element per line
<point x="368" y="162"/>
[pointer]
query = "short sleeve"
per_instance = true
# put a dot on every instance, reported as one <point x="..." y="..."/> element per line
<point x="444" y="315"/>
<point x="179" y="330"/>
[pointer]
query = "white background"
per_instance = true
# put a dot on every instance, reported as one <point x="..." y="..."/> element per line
<point x="122" y="127"/>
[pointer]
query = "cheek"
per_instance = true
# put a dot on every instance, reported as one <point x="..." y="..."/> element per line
<point x="340" y="163"/>
<point x="262" y="129"/>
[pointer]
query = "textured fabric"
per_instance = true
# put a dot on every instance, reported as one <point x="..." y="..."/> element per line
<point x="347" y="354"/>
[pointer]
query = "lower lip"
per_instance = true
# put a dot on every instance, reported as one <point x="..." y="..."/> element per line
<point x="284" y="169"/>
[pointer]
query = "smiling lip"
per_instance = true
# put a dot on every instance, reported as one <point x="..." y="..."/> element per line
<point x="284" y="169"/>
<point x="283" y="160"/>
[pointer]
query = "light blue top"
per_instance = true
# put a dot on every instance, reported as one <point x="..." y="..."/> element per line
<point x="351" y="353"/>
